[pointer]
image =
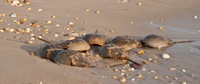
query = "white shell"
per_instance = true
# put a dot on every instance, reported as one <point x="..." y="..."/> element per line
<point x="165" y="56"/>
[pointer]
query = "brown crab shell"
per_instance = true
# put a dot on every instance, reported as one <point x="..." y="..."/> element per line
<point x="156" y="41"/>
<point x="126" y="42"/>
<point x="76" y="45"/>
<point x="96" y="39"/>
<point x="70" y="57"/>
<point x="113" y="51"/>
<point x="47" y="51"/>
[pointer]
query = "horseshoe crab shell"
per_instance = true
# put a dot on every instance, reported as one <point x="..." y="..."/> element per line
<point x="70" y="57"/>
<point x="48" y="51"/>
<point x="113" y="51"/>
<point x="76" y="45"/>
<point x="126" y="42"/>
<point x="96" y="39"/>
<point x="156" y="41"/>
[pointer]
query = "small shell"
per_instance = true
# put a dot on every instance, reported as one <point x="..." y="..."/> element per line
<point x="123" y="80"/>
<point x="114" y="77"/>
<point x="140" y="52"/>
<point x="30" y="42"/>
<point x="165" y="56"/>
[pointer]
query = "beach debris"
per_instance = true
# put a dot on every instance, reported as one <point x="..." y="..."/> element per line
<point x="2" y="14"/>
<point x="53" y="16"/>
<point x="30" y="42"/>
<point x="123" y="1"/>
<point x="1" y="30"/>
<point x="172" y="69"/>
<point x="122" y="80"/>
<point x="32" y="53"/>
<point x="87" y="10"/>
<point x="184" y="82"/>
<point x="183" y="70"/>
<point x="17" y="37"/>
<point x="49" y="22"/>
<point x="29" y="9"/>
<point x="97" y="12"/>
<point x="9" y="30"/>
<point x="140" y="76"/>
<point x="114" y="77"/>
<point x="139" y="4"/>
<point x="56" y="35"/>
<point x="166" y="77"/>
<point x="175" y="78"/>
<point x="126" y="42"/>
<point x="195" y="17"/>
<point x="152" y="71"/>
<point x="35" y="24"/>
<point x="39" y="10"/>
<point x="165" y="56"/>
<point x="161" y="28"/>
<point x="13" y="15"/>
<point x="139" y="52"/>
<point x="155" y="77"/>
<point x="1" y="20"/>
<point x="32" y="38"/>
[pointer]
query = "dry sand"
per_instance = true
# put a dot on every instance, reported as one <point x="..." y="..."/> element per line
<point x="110" y="17"/>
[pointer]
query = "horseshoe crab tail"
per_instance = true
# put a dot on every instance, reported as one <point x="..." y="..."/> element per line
<point x="43" y="40"/>
<point x="135" y="64"/>
<point x="182" y="42"/>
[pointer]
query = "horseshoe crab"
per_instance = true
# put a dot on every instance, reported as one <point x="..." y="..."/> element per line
<point x="115" y="52"/>
<point x="73" y="58"/>
<point x="95" y="38"/>
<point x="48" y="51"/>
<point x="126" y="42"/>
<point x="76" y="45"/>
<point x="157" y="41"/>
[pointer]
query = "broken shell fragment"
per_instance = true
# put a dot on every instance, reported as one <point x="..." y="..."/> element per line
<point x="123" y="80"/>
<point x="30" y="42"/>
<point x="140" y="52"/>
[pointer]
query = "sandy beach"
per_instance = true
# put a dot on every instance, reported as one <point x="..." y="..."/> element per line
<point x="53" y="19"/>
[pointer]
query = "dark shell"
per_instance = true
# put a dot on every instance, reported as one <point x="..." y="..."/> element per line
<point x="156" y="41"/>
<point x="47" y="51"/>
<point x="96" y="39"/>
<point x="70" y="57"/>
<point x="113" y="51"/>
<point x="126" y="42"/>
<point x="52" y="53"/>
<point x="76" y="45"/>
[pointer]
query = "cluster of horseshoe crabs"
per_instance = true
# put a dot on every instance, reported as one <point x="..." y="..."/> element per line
<point x="80" y="52"/>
